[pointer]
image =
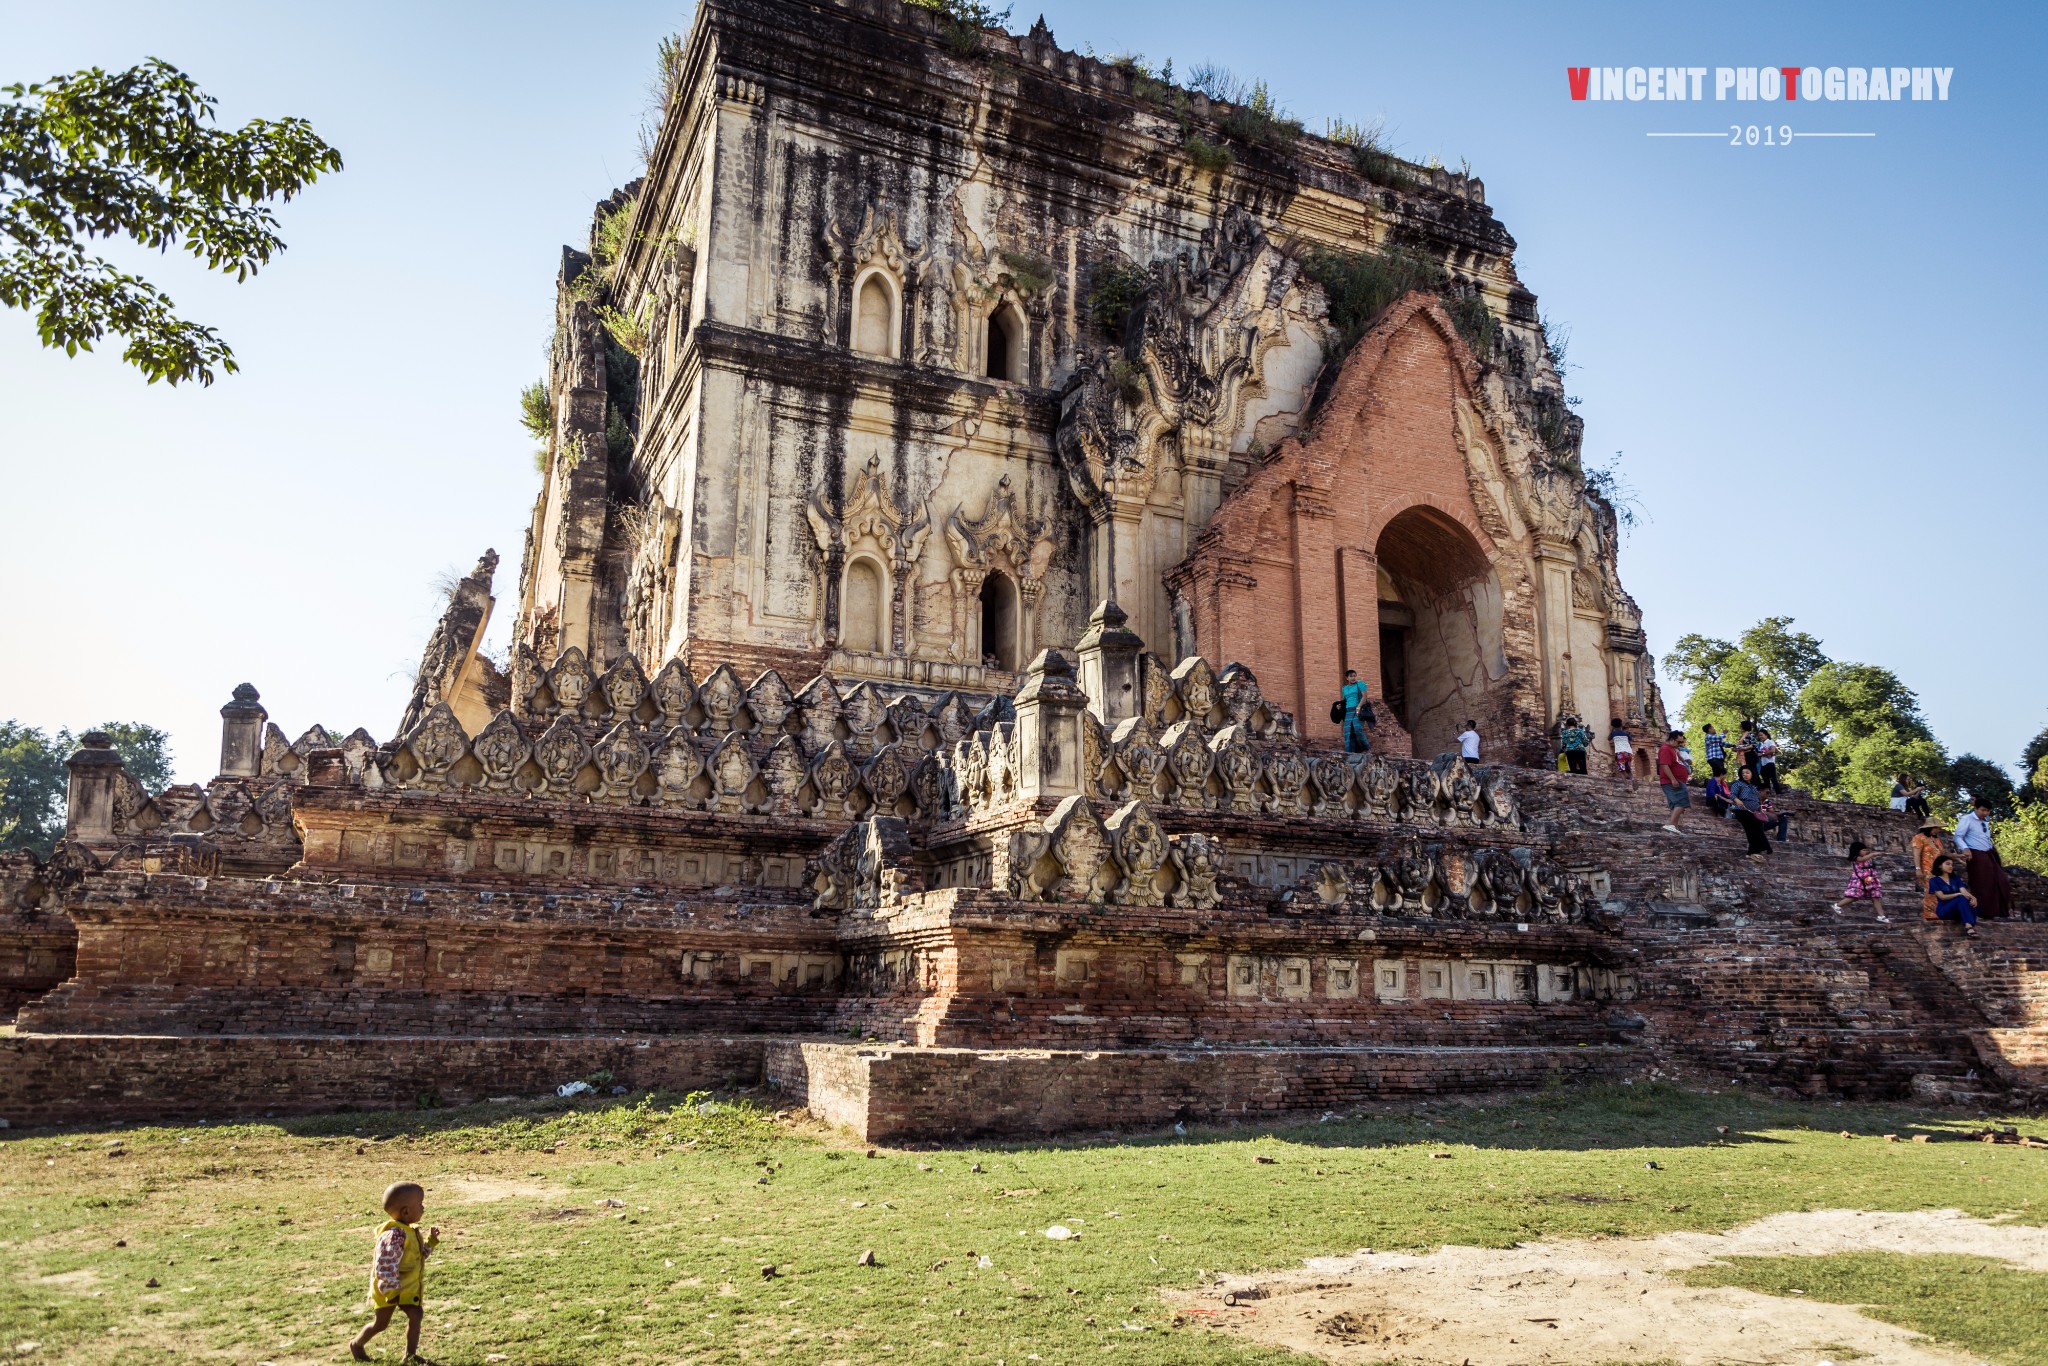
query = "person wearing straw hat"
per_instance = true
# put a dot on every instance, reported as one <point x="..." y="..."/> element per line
<point x="1928" y="845"/>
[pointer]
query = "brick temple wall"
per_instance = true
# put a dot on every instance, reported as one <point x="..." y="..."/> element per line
<point x="969" y="969"/>
<point x="37" y="952"/>
<point x="940" y="1094"/>
<point x="176" y="955"/>
<point x="64" y="1079"/>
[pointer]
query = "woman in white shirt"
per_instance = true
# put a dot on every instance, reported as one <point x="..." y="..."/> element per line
<point x="1624" y="748"/>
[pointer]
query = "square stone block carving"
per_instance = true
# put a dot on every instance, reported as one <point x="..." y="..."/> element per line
<point x="1193" y="969"/>
<point x="1390" y="978"/>
<point x="1244" y="976"/>
<point x="1340" y="979"/>
<point x="1005" y="974"/>
<point x="1556" y="982"/>
<point x="1075" y="967"/>
<point x="1293" y="978"/>
<point x="1436" y="979"/>
<point x="1473" y="981"/>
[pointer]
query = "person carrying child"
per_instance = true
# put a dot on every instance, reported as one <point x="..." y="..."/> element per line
<point x="398" y="1269"/>
<point x="1864" y="882"/>
<point x="1951" y="894"/>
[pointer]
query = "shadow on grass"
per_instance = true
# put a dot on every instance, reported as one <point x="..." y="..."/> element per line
<point x="1562" y="1117"/>
<point x="1602" y="1116"/>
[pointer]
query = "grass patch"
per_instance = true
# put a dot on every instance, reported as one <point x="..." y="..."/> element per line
<point x="1205" y="155"/>
<point x="1362" y="285"/>
<point x="1114" y="289"/>
<point x="257" y="1233"/>
<point x="1986" y="1307"/>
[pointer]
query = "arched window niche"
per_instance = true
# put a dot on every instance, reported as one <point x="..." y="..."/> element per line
<point x="1007" y="342"/>
<point x="877" y="315"/>
<point x="864" y="607"/>
<point x="999" y="622"/>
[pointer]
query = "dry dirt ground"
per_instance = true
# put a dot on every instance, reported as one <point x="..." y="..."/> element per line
<point x="1600" y="1300"/>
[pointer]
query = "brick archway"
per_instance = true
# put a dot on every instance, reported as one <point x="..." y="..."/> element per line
<point x="1437" y="608"/>
<point x="1286" y="577"/>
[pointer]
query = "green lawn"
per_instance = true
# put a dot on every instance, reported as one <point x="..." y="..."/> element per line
<point x="1976" y="1303"/>
<point x="257" y="1234"/>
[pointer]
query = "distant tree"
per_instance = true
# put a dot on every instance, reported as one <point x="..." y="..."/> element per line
<point x="1758" y="677"/>
<point x="145" y="752"/>
<point x="1870" y="729"/>
<point x="1970" y="776"/>
<point x="131" y="154"/>
<point x="2023" y="839"/>
<point x="2033" y="778"/>
<point x="33" y="776"/>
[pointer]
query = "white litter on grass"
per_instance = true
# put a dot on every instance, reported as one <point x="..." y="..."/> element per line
<point x="1059" y="1233"/>
<point x="575" y="1088"/>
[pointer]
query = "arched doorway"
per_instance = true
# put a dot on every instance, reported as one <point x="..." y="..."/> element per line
<point x="1440" y="649"/>
<point x="999" y="622"/>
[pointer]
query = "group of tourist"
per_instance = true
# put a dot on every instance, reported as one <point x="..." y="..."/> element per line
<point x="1749" y="798"/>
<point x="1966" y="884"/>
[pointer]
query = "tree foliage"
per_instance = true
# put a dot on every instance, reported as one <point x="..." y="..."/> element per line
<point x="1844" y="731"/>
<point x="2033" y="777"/>
<point x="97" y="154"/>
<point x="1871" y="730"/>
<point x="33" y="776"/>
<point x="1971" y="776"/>
<point x="1756" y="677"/>
<point x="2023" y="837"/>
<point x="32" y="781"/>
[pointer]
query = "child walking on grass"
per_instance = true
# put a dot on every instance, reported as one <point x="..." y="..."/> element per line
<point x="398" y="1269"/>
<point x="1864" y="883"/>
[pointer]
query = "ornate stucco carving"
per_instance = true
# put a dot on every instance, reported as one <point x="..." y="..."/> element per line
<point x="1174" y="394"/>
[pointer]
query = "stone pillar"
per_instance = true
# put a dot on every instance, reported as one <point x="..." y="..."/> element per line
<point x="95" y="781"/>
<point x="241" y="734"/>
<point x="1049" y="710"/>
<point x="1109" y="665"/>
<point x="1554" y="565"/>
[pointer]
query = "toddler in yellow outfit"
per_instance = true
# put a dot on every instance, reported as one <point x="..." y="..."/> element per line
<point x="398" y="1268"/>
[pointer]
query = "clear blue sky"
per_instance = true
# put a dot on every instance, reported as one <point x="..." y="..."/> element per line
<point x="1814" y="357"/>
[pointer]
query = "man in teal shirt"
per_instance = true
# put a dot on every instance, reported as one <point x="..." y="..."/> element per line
<point x="1358" y="717"/>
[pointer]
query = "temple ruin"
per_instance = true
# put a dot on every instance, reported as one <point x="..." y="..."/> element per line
<point x="959" y="509"/>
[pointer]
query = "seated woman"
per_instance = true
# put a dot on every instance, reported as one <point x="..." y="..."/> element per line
<point x="1909" y="795"/>
<point x="1951" y="893"/>
<point x="1746" y="806"/>
<point x="1717" y="795"/>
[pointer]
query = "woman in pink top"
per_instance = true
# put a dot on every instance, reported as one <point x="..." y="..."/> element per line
<point x="1864" y="883"/>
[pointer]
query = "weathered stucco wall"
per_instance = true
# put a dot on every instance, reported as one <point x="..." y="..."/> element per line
<point x="882" y="427"/>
